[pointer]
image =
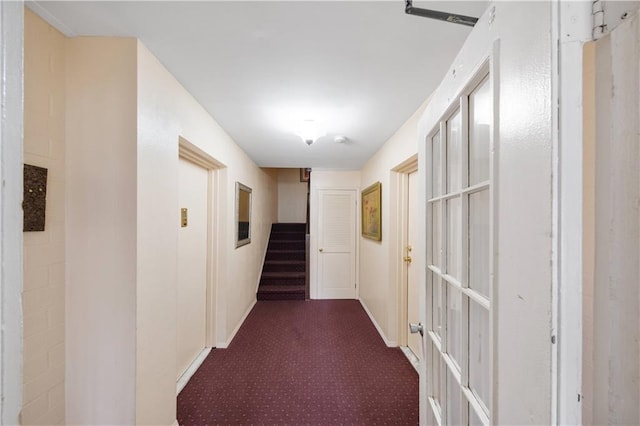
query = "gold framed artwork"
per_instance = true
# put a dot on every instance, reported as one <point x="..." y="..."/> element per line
<point x="371" y="212"/>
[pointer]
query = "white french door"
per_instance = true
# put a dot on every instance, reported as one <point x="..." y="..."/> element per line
<point x="459" y="259"/>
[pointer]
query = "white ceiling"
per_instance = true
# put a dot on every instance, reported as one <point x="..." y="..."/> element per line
<point x="359" y="68"/>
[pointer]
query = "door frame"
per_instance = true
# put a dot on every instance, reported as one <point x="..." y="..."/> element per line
<point x="400" y="185"/>
<point x="11" y="148"/>
<point x="193" y="154"/>
<point x="572" y="27"/>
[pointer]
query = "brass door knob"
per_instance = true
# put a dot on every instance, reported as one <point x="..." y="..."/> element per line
<point x="320" y="250"/>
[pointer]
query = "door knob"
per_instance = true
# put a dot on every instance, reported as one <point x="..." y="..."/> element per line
<point x="408" y="259"/>
<point x="416" y="328"/>
<point x="320" y="250"/>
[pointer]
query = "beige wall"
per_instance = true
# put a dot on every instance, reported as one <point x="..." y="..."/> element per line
<point x="125" y="115"/>
<point x="292" y="197"/>
<point x="166" y="111"/>
<point x="101" y="232"/>
<point x="44" y="252"/>
<point x="379" y="261"/>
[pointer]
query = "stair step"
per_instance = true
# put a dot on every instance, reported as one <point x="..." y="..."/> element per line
<point x="286" y="245"/>
<point x="284" y="266"/>
<point x="285" y="262"/>
<point x="284" y="270"/>
<point x="281" y="293"/>
<point x="282" y="289"/>
<point x="283" y="275"/>
<point x="282" y="279"/>
<point x="291" y="227"/>
<point x="286" y="255"/>
<point x="289" y="236"/>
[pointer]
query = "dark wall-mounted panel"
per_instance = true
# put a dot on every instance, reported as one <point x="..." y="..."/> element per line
<point x="35" y="198"/>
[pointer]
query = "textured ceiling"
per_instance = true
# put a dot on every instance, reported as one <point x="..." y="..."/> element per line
<point x="358" y="68"/>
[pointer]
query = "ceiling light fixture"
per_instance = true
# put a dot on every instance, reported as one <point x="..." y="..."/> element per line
<point x="309" y="131"/>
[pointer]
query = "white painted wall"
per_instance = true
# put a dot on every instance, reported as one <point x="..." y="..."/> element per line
<point x="324" y="179"/>
<point x="617" y="230"/>
<point x="11" y="97"/>
<point x="44" y="252"/>
<point x="521" y="298"/>
<point x="292" y="197"/>
<point x="379" y="262"/>
<point x="617" y="11"/>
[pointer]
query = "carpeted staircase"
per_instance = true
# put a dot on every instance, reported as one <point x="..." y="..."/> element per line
<point x="283" y="273"/>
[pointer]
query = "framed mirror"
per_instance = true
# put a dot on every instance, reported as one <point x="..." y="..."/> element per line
<point x="243" y="215"/>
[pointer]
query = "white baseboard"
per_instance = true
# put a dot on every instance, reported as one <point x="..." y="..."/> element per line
<point x="223" y="345"/>
<point x="186" y="376"/>
<point x="175" y="423"/>
<point x="413" y="359"/>
<point x="389" y="343"/>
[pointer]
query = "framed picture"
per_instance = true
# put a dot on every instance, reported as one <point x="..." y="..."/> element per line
<point x="304" y="174"/>
<point x="243" y="215"/>
<point x="371" y="212"/>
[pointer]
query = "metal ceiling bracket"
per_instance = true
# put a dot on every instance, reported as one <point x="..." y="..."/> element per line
<point x="441" y="16"/>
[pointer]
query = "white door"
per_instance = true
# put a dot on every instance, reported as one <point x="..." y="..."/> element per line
<point x="337" y="244"/>
<point x="413" y="273"/>
<point x="192" y="266"/>
<point x="459" y="283"/>
<point x="487" y="149"/>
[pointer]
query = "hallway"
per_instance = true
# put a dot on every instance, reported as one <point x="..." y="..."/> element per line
<point x="303" y="362"/>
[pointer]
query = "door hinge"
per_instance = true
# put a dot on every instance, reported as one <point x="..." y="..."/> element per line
<point x="599" y="24"/>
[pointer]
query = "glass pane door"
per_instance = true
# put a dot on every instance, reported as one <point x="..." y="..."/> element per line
<point x="459" y="235"/>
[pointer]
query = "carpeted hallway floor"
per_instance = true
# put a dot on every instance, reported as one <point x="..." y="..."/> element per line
<point x="303" y="362"/>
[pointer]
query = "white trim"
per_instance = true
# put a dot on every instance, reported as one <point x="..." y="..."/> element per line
<point x="411" y="357"/>
<point x="192" y="153"/>
<point x="224" y="345"/>
<point x="11" y="254"/>
<point x="571" y="26"/>
<point x="191" y="370"/>
<point x="264" y="258"/>
<point x="399" y="197"/>
<point x="389" y="343"/>
<point x="42" y="12"/>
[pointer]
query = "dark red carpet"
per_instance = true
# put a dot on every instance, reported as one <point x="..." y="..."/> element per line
<point x="303" y="362"/>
